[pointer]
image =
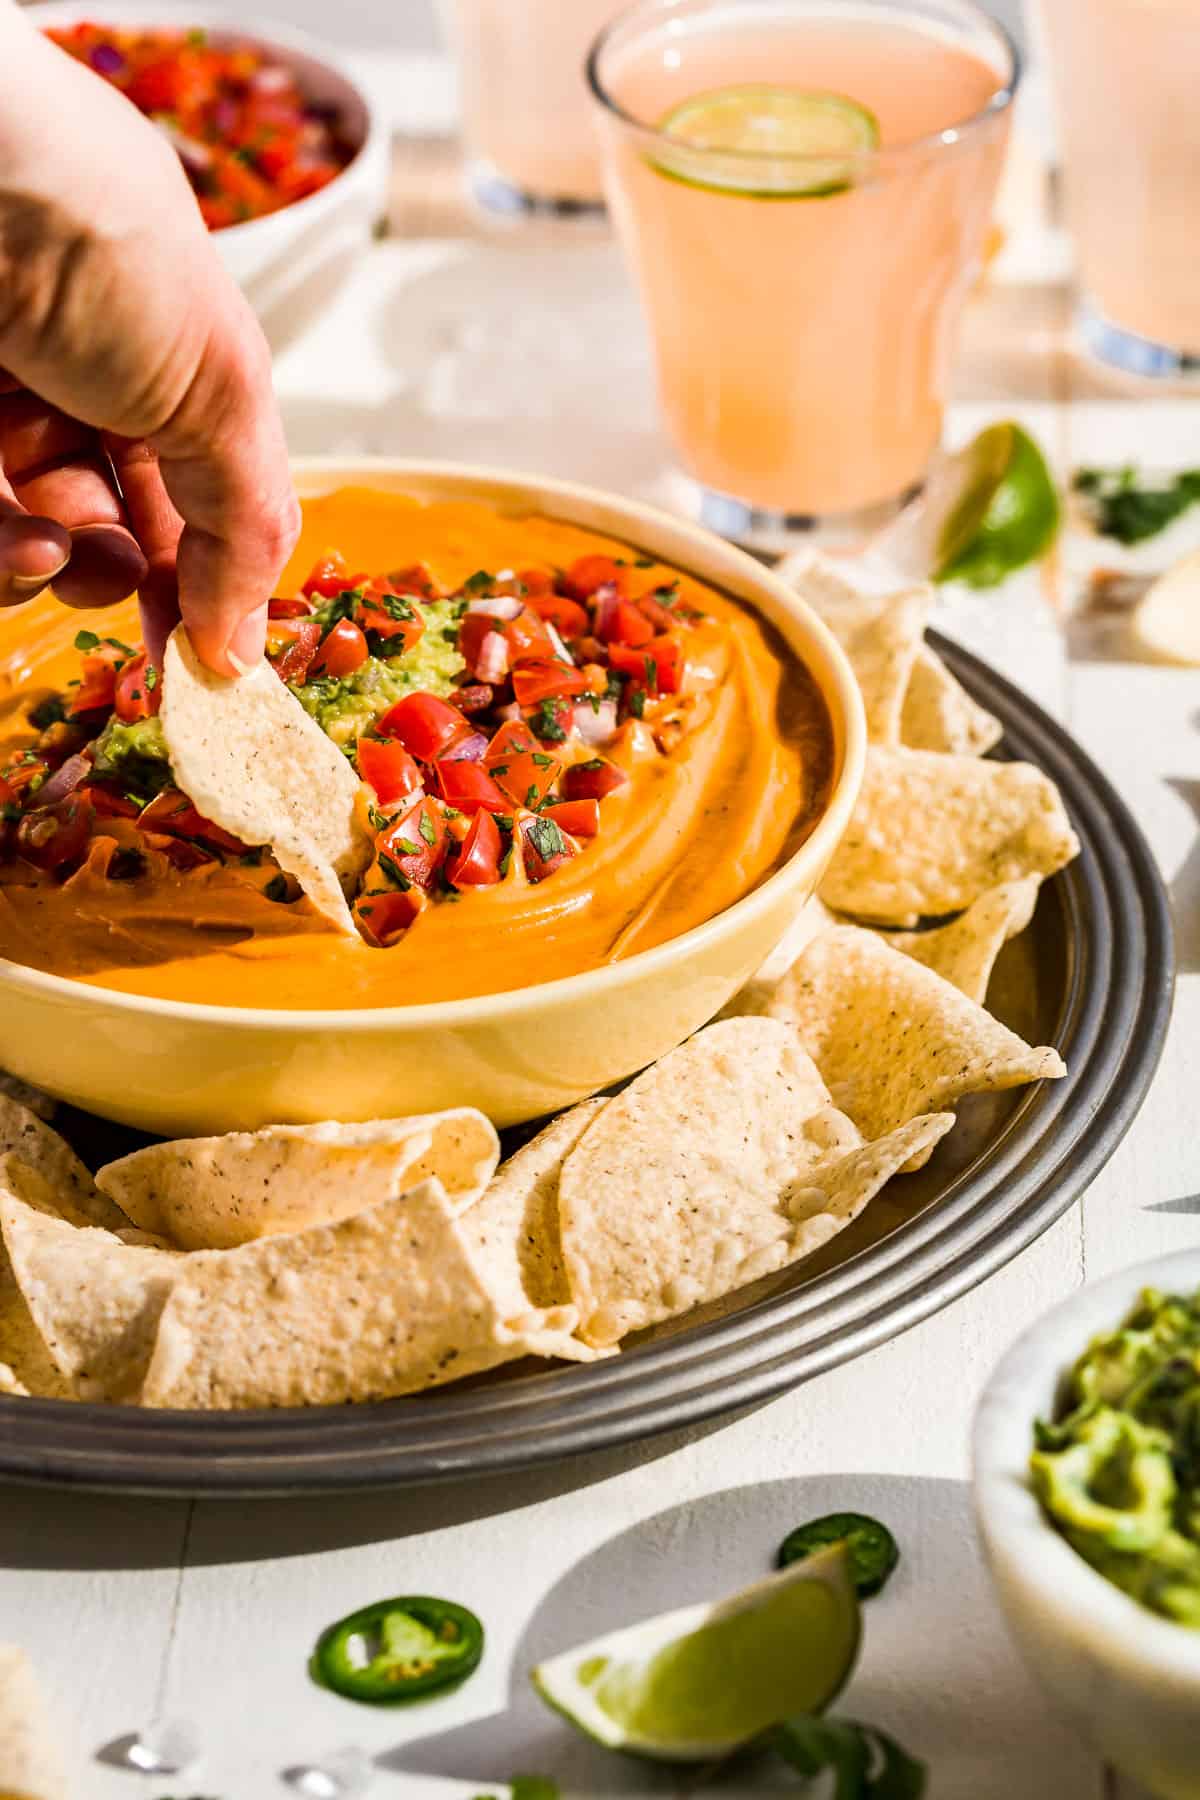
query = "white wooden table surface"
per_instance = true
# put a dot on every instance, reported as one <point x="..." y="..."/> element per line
<point x="527" y="350"/>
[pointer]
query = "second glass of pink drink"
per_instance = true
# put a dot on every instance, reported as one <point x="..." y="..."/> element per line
<point x="1125" y="74"/>
<point x="529" y="135"/>
<point x="804" y="190"/>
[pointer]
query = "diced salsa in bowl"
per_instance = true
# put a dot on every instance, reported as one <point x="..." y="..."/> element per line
<point x="250" y="139"/>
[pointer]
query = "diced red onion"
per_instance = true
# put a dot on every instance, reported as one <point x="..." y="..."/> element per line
<point x="471" y="749"/>
<point x="491" y="664"/>
<point x="65" y="780"/>
<point x="560" y="649"/>
<point x="510" y="712"/>
<point x="500" y="606"/>
<point x="106" y="59"/>
<point x="596" y="724"/>
<point x="607" y="598"/>
<point x="274" y="79"/>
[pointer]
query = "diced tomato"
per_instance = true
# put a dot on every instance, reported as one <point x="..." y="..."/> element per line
<point x="424" y="724"/>
<point x="107" y="803"/>
<point x="477" y="864"/>
<point x="468" y="786"/>
<point x="181" y="853"/>
<point x="23" y="776"/>
<point x="660" y="617"/>
<point x="331" y="577"/>
<point x="630" y="626"/>
<point x="567" y="616"/>
<point x="51" y="836"/>
<point x="98" y="680"/>
<point x="592" y="780"/>
<point x="580" y="817"/>
<point x="519" y="766"/>
<point x="591" y="572"/>
<point x="385" y="914"/>
<point x="657" y="665"/>
<point x="414" y="846"/>
<point x="138" y="693"/>
<point x="388" y="767"/>
<point x="544" y="846"/>
<point x="536" y="581"/>
<point x="283" y="608"/>
<point x="415" y="579"/>
<point x="291" y="646"/>
<point x="483" y="646"/>
<point x="342" y="650"/>
<point x="553" y="721"/>
<point x="172" y="813"/>
<point x="528" y="639"/>
<point x="475" y="697"/>
<point x="166" y="86"/>
<point x="547" y="678"/>
<point x="392" y="616"/>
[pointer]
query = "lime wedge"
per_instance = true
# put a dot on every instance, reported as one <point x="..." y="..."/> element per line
<point x="1007" y="517"/>
<point x="771" y="143"/>
<point x="1167" y="620"/>
<point x="695" y="1684"/>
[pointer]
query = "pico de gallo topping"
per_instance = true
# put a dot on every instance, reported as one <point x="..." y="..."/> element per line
<point x="491" y="726"/>
<point x="249" y="139"/>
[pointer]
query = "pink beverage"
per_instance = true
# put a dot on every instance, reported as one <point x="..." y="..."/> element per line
<point x="803" y="317"/>
<point x="1125" y="77"/>
<point x="526" y="119"/>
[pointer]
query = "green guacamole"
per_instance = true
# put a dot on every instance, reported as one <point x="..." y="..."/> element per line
<point x="1119" y="1471"/>
<point x="345" y="707"/>
<point x="135" y="755"/>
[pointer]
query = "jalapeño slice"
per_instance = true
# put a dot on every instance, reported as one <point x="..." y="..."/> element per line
<point x="873" y="1550"/>
<point x="398" y="1650"/>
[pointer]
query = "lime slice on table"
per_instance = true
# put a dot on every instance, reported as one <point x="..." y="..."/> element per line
<point x="695" y="1684"/>
<point x="1008" y="516"/>
<point x="771" y="143"/>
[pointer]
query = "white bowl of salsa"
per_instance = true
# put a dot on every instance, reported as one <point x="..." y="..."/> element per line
<point x="288" y="218"/>
<point x="1127" y="1677"/>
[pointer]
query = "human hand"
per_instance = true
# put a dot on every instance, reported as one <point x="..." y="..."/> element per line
<point x="140" y="443"/>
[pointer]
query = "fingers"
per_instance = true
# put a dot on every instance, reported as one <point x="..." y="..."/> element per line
<point x="157" y="526"/>
<point x="32" y="551"/>
<point x="55" y="470"/>
<point x="224" y="462"/>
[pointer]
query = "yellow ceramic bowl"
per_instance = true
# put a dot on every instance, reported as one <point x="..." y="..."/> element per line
<point x="182" y="1069"/>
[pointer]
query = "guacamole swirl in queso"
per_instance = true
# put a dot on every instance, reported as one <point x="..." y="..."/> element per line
<point x="568" y="751"/>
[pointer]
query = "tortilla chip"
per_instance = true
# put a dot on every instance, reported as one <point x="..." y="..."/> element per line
<point x="813" y="918"/>
<point x="74" y="1194"/>
<point x="31" y="1766"/>
<point x="94" y="1300"/>
<point x="218" y="1192"/>
<point x="939" y="714"/>
<point x="880" y="633"/>
<point x="892" y="1039"/>
<point x="14" y="1088"/>
<point x="931" y="833"/>
<point x="512" y="1230"/>
<point x="964" y="952"/>
<point x="252" y="760"/>
<point x="702" y="1176"/>
<point x="387" y="1302"/>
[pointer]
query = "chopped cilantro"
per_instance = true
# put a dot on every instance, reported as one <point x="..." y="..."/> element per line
<point x="545" y="723"/>
<point x="546" y="838"/>
<point x="651" y="668"/>
<point x="505" y="862"/>
<point x="667" y="596"/>
<point x="478" y="583"/>
<point x="86" y="640"/>
<point x="637" y="703"/>
<point x="504" y="821"/>
<point x="151" y="677"/>
<point x="379" y="821"/>
<point x="499" y="769"/>
<point x="118" y="645"/>
<point x="394" y="872"/>
<point x="396" y="607"/>
<point x="531" y="795"/>
<point x="427" y="829"/>
<point x="406" y="847"/>
<point x="542" y="760"/>
<point x="10" y="810"/>
<point x="643" y="562"/>
<point x="452" y="812"/>
<point x="1131" y="513"/>
<point x="592" y="763"/>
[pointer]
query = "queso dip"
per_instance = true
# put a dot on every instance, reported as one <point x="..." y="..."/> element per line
<point x="569" y="753"/>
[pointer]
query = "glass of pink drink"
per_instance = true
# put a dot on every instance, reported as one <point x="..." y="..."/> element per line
<point x="526" y="121"/>
<point x="803" y="306"/>
<point x="1125" y="74"/>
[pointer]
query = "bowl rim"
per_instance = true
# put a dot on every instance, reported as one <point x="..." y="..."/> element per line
<point x="267" y="32"/>
<point x="1103" y="1616"/>
<point x="841" y="691"/>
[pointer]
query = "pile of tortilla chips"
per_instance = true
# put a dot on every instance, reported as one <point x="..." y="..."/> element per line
<point x="31" y="1764"/>
<point x="305" y="1265"/>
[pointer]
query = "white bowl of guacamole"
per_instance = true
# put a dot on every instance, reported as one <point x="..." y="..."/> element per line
<point x="1083" y="1490"/>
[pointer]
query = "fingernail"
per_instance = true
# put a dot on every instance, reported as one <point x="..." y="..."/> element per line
<point x="24" y="587"/>
<point x="248" y="641"/>
<point x="240" y="667"/>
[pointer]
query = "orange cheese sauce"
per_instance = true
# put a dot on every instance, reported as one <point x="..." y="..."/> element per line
<point x="691" y="832"/>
